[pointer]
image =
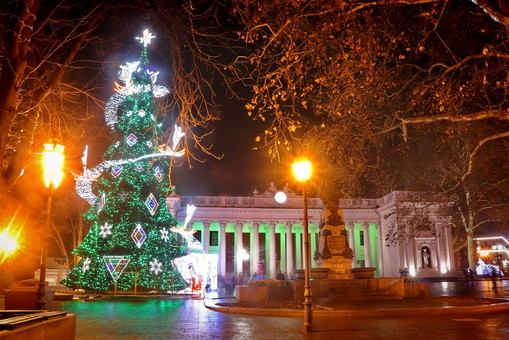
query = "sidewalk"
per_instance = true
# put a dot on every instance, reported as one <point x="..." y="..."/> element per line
<point x="178" y="318"/>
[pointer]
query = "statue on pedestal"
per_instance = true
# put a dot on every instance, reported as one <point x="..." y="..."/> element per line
<point x="333" y="250"/>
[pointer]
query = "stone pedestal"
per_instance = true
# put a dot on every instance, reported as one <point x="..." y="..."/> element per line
<point x="340" y="268"/>
<point x="335" y="253"/>
<point x="364" y="273"/>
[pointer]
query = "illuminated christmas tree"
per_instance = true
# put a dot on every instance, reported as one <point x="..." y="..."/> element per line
<point x="130" y="244"/>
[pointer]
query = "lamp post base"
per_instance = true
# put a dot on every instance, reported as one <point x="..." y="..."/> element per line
<point x="308" y="328"/>
<point x="40" y="304"/>
<point x="308" y="325"/>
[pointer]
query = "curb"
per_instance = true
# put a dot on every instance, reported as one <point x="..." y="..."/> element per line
<point x="392" y="312"/>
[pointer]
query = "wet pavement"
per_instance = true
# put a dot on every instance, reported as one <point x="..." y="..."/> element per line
<point x="186" y="318"/>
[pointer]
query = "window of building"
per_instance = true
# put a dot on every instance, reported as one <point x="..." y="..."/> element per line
<point x="361" y="237"/>
<point x="214" y="238"/>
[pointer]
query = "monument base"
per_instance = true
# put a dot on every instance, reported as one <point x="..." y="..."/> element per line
<point x="340" y="268"/>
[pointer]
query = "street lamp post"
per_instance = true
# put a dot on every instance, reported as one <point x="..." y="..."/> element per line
<point x="53" y="158"/>
<point x="302" y="172"/>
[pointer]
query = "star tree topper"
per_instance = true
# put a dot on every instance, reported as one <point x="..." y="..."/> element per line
<point x="145" y="39"/>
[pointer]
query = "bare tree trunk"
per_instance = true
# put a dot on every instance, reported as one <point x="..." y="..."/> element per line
<point x="470" y="248"/>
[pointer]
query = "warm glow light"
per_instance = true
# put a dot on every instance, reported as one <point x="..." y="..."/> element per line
<point x="302" y="169"/>
<point x="412" y="271"/>
<point x="243" y="255"/>
<point x="484" y="252"/>
<point x="53" y="156"/>
<point x="8" y="244"/>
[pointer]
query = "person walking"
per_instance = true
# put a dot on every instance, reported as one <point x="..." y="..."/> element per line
<point x="466" y="275"/>
<point x="471" y="275"/>
<point x="494" y="277"/>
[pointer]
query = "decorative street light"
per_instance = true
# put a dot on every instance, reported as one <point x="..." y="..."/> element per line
<point x="302" y="172"/>
<point x="53" y="158"/>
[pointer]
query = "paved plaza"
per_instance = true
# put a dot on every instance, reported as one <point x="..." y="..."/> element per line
<point x="186" y="318"/>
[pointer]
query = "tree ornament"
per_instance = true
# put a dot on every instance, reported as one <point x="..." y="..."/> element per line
<point x="105" y="230"/>
<point x="155" y="266"/>
<point x="151" y="204"/>
<point x="139" y="236"/>
<point x="164" y="234"/>
<point x="86" y="264"/>
<point x="116" y="265"/>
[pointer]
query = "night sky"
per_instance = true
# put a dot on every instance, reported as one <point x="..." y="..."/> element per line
<point x="240" y="171"/>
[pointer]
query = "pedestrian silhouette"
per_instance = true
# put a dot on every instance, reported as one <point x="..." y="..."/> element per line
<point x="471" y="276"/>
<point x="466" y="274"/>
<point x="494" y="277"/>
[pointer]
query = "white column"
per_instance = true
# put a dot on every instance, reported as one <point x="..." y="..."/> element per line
<point x="351" y="242"/>
<point x="303" y="254"/>
<point x="380" y="250"/>
<point x="256" y="247"/>
<point x="282" y="254"/>
<point x="272" y="256"/>
<point x="438" y="255"/>
<point x="206" y="236"/>
<point x="445" y="231"/>
<point x="239" y="247"/>
<point x="367" y="253"/>
<point x="222" y="248"/>
<point x="298" y="251"/>
<point x="312" y="241"/>
<point x="289" y="249"/>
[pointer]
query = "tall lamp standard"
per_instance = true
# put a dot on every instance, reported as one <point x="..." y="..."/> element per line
<point x="53" y="159"/>
<point x="302" y="172"/>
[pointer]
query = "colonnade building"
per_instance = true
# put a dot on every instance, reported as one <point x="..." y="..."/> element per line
<point x="395" y="234"/>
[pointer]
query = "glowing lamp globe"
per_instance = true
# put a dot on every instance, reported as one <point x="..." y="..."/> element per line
<point x="53" y="157"/>
<point x="302" y="170"/>
<point x="243" y="255"/>
<point x="8" y="244"/>
<point x="280" y="197"/>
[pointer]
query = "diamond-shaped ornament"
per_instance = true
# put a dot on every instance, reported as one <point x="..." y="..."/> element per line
<point x="142" y="113"/>
<point x="131" y="139"/>
<point x="116" y="170"/>
<point x="151" y="204"/>
<point x="138" y="235"/>
<point x="158" y="173"/>
<point x="102" y="202"/>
